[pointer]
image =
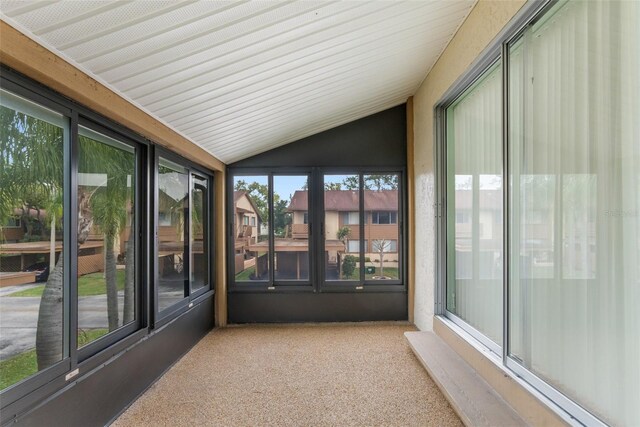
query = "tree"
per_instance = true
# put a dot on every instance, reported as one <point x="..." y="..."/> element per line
<point x="281" y="218"/>
<point x="343" y="233"/>
<point x="381" y="182"/>
<point x="31" y="175"/>
<point x="110" y="204"/>
<point x="381" y="246"/>
<point x="348" y="266"/>
<point x="259" y="194"/>
<point x="328" y="186"/>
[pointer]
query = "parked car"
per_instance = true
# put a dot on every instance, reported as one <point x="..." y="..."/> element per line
<point x="41" y="269"/>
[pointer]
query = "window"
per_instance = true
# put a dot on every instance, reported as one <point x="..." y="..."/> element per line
<point x="341" y="225"/>
<point x="382" y="198"/>
<point x="13" y="222"/>
<point x="463" y="217"/>
<point x="199" y="234"/>
<point x="173" y="246"/>
<point x="573" y="174"/>
<point x="31" y="160"/>
<point x="353" y="246"/>
<point x="252" y="246"/>
<point x="575" y="153"/>
<point x="474" y="203"/>
<point x="277" y="251"/>
<point x="183" y="247"/>
<point x="291" y="235"/>
<point x="360" y="196"/>
<point x="384" y="217"/>
<point x="350" y="218"/>
<point x="73" y="189"/>
<point x="107" y="267"/>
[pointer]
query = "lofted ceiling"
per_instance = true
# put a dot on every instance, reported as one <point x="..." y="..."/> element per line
<point x="242" y="77"/>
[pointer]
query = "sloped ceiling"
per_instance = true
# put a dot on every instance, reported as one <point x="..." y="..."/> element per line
<point x="242" y="77"/>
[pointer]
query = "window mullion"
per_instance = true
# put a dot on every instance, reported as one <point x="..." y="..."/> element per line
<point x="506" y="208"/>
<point x="70" y="242"/>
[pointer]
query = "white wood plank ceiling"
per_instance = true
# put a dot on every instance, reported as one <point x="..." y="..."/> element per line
<point x="242" y="77"/>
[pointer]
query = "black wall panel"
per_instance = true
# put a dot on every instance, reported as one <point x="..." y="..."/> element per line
<point x="376" y="140"/>
<point x="99" y="396"/>
<point x="316" y="307"/>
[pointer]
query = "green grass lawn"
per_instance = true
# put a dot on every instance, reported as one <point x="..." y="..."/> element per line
<point x="25" y="364"/>
<point x="388" y="272"/>
<point x="245" y="274"/>
<point x="88" y="285"/>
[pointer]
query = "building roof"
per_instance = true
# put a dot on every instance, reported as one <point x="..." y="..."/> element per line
<point x="347" y="200"/>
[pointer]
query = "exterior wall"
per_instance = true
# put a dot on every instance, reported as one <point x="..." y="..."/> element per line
<point x="483" y="23"/>
<point x="12" y="234"/>
<point x="331" y="225"/>
<point x="298" y="217"/>
<point x="244" y="203"/>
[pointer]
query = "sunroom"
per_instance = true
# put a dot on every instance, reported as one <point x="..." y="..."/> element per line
<point x="320" y="212"/>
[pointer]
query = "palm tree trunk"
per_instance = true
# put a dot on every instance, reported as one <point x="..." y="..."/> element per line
<point x="112" y="288"/>
<point x="49" y="334"/>
<point x="129" y="281"/>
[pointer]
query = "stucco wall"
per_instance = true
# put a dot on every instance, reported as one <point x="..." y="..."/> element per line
<point x="483" y="23"/>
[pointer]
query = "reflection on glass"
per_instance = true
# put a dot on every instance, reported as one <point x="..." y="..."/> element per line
<point x="474" y="197"/>
<point x="290" y="209"/>
<point x="251" y="222"/>
<point x="575" y="227"/>
<point x="173" y="206"/>
<point x="341" y="226"/>
<point x="199" y="233"/>
<point x="381" y="230"/>
<point x="31" y="238"/>
<point x="106" y="262"/>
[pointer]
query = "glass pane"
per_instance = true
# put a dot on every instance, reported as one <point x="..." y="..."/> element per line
<point x="173" y="205"/>
<point x="31" y="238"/>
<point x="381" y="230"/>
<point x="290" y="205"/>
<point x="251" y="222"/>
<point x="106" y="261"/>
<point x="474" y="197"/>
<point x="341" y="226"/>
<point x="575" y="226"/>
<point x="199" y="233"/>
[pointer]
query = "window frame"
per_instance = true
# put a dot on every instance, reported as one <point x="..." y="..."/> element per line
<point x="316" y="229"/>
<point x="272" y="284"/>
<point x="189" y="299"/>
<point x="497" y="50"/>
<point x="39" y="379"/>
<point x="362" y="284"/>
<point x="77" y="363"/>
<point x="111" y="338"/>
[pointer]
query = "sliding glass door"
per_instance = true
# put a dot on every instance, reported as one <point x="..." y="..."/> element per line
<point x="575" y="204"/>
<point x="474" y="210"/>
<point x="552" y="128"/>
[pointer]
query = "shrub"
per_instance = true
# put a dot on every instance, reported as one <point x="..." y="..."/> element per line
<point x="348" y="265"/>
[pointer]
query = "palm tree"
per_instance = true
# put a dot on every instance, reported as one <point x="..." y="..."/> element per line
<point x="31" y="156"/>
<point x="110" y="205"/>
<point x="31" y="176"/>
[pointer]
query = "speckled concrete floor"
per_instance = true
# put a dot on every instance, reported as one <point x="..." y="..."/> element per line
<point x="296" y="375"/>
